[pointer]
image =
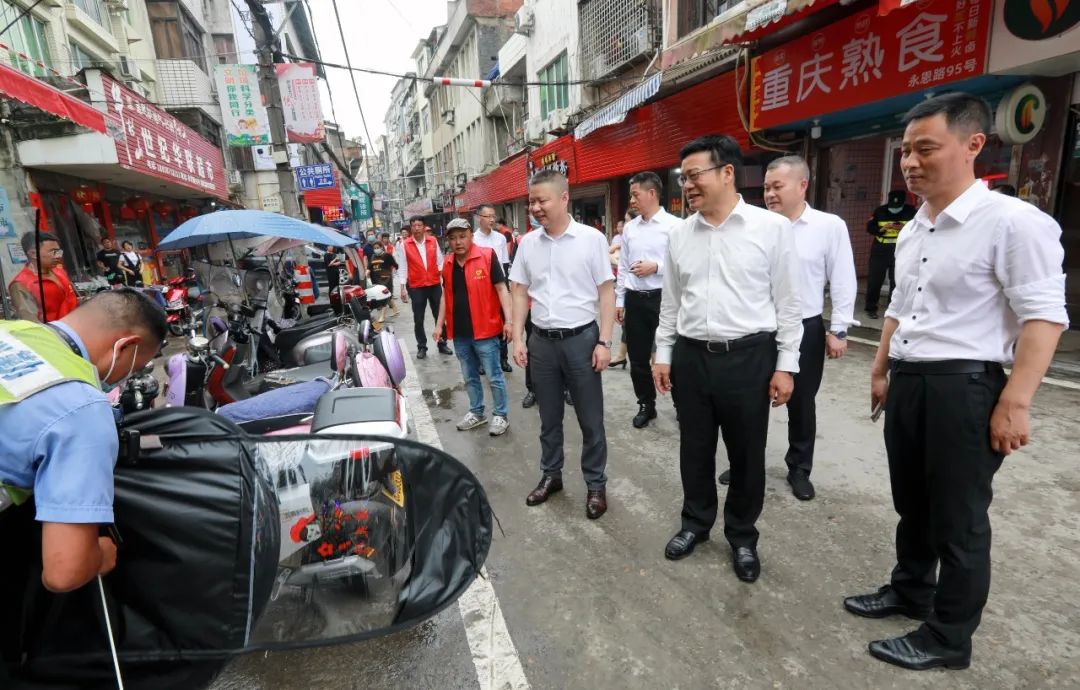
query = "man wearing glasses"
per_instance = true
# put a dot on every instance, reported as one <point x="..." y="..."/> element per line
<point x="29" y="285"/>
<point x="727" y="345"/>
<point x="487" y="236"/>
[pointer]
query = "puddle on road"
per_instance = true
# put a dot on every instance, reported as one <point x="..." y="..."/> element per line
<point x="441" y="397"/>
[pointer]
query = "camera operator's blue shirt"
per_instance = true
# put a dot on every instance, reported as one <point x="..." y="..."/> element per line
<point x="62" y="443"/>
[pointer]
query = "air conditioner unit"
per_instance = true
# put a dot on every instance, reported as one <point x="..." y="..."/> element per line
<point x="524" y="20"/>
<point x="534" y="132"/>
<point x="117" y="5"/>
<point x="448" y="117"/>
<point x="234" y="178"/>
<point x="128" y="69"/>
<point x="557" y="120"/>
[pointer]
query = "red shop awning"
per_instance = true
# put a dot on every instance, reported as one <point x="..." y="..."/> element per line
<point x="26" y="89"/>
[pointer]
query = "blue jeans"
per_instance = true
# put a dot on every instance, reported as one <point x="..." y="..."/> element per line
<point x="476" y="353"/>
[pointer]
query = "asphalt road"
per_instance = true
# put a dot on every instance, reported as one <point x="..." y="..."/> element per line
<point x="594" y="604"/>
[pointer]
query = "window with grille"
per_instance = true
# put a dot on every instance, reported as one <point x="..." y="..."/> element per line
<point x="96" y="10"/>
<point x="615" y="32"/>
<point x="694" y="14"/>
<point x="554" y="92"/>
<point x="26" y="36"/>
<point x="176" y="36"/>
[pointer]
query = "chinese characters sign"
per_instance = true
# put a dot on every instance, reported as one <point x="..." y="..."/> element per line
<point x="866" y="58"/>
<point x="151" y="141"/>
<point x="241" y="105"/>
<point x="361" y="202"/>
<point x="315" y="177"/>
<point x="300" y="102"/>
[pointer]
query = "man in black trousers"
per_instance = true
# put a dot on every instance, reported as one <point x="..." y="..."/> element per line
<point x="727" y="344"/>
<point x="639" y="283"/>
<point x="885" y="226"/>
<point x="980" y="285"/>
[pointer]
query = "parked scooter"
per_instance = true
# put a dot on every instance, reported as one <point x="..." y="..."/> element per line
<point x="183" y="310"/>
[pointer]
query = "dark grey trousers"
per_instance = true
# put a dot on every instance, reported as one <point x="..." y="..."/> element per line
<point x="559" y="365"/>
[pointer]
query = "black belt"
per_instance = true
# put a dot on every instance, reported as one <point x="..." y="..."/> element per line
<point x="719" y="347"/>
<point x="646" y="293"/>
<point x="561" y="333"/>
<point x="944" y="366"/>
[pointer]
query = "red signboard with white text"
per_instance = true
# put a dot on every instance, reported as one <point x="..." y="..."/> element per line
<point x="151" y="141"/>
<point x="866" y="57"/>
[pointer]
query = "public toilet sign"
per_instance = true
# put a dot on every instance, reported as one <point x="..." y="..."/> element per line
<point x="311" y="177"/>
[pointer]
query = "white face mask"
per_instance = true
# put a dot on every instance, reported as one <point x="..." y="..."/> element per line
<point x="105" y="386"/>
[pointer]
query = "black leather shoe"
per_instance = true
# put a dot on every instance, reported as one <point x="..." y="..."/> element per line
<point x="421" y="354"/>
<point x="918" y="651"/>
<point x="529" y="400"/>
<point x="871" y="313"/>
<point x="646" y="413"/>
<point x="544" y="490"/>
<point x="683" y="544"/>
<point x="801" y="487"/>
<point x="569" y="400"/>
<point x="725" y="477"/>
<point x="595" y="503"/>
<point x="883" y="603"/>
<point x="745" y="562"/>
<point x="444" y="349"/>
<point x="506" y="366"/>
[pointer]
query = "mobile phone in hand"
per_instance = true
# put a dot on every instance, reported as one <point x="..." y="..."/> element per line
<point x="876" y="412"/>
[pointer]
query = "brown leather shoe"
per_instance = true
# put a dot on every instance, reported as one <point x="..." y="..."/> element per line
<point x="544" y="490"/>
<point x="595" y="503"/>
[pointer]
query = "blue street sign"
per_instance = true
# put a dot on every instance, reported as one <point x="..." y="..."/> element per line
<point x="311" y="177"/>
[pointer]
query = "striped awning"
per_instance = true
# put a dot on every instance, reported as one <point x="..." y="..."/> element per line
<point x="615" y="112"/>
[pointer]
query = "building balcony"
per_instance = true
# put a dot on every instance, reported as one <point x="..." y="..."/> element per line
<point x="614" y="33"/>
<point x="184" y="84"/>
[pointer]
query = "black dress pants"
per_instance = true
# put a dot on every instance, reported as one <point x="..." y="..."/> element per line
<point x="882" y="262"/>
<point x="723" y="394"/>
<point x="528" y="362"/>
<point x="639" y="325"/>
<point x="802" y="408"/>
<point x="421" y="298"/>
<point x="941" y="465"/>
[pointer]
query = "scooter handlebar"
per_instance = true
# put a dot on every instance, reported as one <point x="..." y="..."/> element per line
<point x="221" y="362"/>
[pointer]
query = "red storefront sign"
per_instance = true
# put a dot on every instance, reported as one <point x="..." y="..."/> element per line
<point x="505" y="183"/>
<point x="867" y="57"/>
<point x="151" y="141"/>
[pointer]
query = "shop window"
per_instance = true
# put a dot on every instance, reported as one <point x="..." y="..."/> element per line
<point x="554" y="92"/>
<point x="176" y="36"/>
<point x="96" y="10"/>
<point x="26" y="36"/>
<point x="694" y="14"/>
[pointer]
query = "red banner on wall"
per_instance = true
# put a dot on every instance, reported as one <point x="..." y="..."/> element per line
<point x="867" y="57"/>
<point x="150" y="140"/>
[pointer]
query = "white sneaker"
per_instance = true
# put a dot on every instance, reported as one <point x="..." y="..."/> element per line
<point x="499" y="425"/>
<point x="471" y="421"/>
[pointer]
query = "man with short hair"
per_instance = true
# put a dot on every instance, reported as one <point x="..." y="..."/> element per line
<point x="487" y="235"/>
<point x="638" y="285"/>
<point x="28" y="284"/>
<point x="884" y="225"/>
<point x="476" y="312"/>
<point x="566" y="272"/>
<point x="108" y="260"/>
<point x="727" y="344"/>
<point x="825" y="257"/>
<point x="60" y="444"/>
<point x="979" y="286"/>
<point x="419" y="261"/>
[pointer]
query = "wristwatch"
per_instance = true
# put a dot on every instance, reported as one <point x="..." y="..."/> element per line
<point x="605" y="343"/>
<point x="842" y="335"/>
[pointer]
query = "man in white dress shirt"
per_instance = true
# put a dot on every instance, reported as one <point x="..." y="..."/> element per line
<point x="486" y="235"/>
<point x="639" y="283"/>
<point x="979" y="285"/>
<point x="727" y="344"/>
<point x="825" y="256"/>
<point x="566" y="271"/>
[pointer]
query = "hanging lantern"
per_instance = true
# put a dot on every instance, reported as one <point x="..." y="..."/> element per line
<point x="127" y="213"/>
<point x="163" y="208"/>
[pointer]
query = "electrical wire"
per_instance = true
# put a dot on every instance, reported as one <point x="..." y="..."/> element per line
<point x="352" y="75"/>
<point x="21" y="15"/>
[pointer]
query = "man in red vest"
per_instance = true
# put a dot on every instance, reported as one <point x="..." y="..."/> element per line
<point x="26" y="288"/>
<point x="418" y="272"/>
<point x="476" y="313"/>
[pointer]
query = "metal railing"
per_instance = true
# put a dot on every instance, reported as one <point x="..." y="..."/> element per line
<point x="615" y="32"/>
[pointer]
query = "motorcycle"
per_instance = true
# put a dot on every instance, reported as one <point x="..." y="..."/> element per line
<point x="181" y="294"/>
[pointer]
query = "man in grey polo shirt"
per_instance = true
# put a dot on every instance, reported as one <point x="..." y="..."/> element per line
<point x="565" y="270"/>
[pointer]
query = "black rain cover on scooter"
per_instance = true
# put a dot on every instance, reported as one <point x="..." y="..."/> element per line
<point x="213" y="564"/>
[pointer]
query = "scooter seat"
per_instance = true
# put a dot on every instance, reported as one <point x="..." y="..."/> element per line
<point x="265" y="426"/>
<point x="287" y="338"/>
<point x="295" y="399"/>
<point x="355" y="406"/>
<point x="282" y="378"/>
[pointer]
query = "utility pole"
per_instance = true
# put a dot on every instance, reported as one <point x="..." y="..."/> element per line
<point x="268" y="47"/>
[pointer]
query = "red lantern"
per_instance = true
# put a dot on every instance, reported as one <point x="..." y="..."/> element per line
<point x="163" y="208"/>
<point x="127" y="213"/>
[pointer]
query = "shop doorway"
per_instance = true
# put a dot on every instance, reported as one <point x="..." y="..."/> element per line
<point x="591" y="211"/>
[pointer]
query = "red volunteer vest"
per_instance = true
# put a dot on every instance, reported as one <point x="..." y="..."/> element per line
<point x="419" y="276"/>
<point x="484" y="307"/>
<point x="60" y="300"/>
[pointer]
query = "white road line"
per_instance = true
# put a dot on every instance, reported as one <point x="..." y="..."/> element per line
<point x="496" y="659"/>
<point x="1046" y="379"/>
